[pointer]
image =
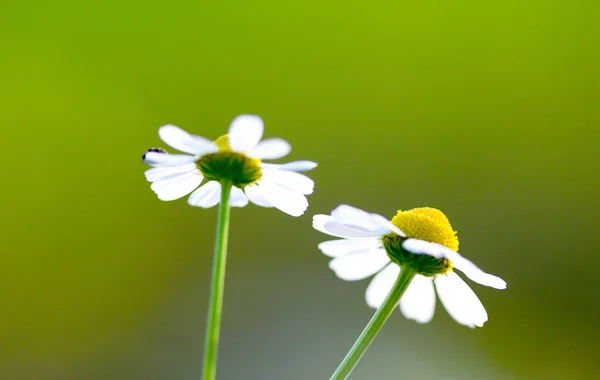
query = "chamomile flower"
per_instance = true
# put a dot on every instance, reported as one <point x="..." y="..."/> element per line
<point x="421" y="238"/>
<point x="235" y="157"/>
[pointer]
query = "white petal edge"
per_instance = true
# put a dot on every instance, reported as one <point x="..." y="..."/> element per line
<point x="207" y="196"/>
<point x="166" y="159"/>
<point x="338" y="229"/>
<point x="172" y="181"/>
<point x="470" y="270"/>
<point x="296" y="166"/>
<point x="351" y="215"/>
<point x="256" y="196"/>
<point x="285" y="200"/>
<point x="418" y="302"/>
<point x="358" y="266"/>
<point x="381" y="285"/>
<point x="270" y="149"/>
<point x="328" y="225"/>
<point x="290" y="180"/>
<point x="337" y="248"/>
<point x="185" y="142"/>
<point x="237" y="198"/>
<point x="245" y="132"/>
<point x="386" y="225"/>
<point x="460" y="301"/>
<point x="319" y="221"/>
<point x="176" y="187"/>
<point x="164" y="172"/>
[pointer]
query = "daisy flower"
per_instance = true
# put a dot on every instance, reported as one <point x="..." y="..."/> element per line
<point x="421" y="238"/>
<point x="235" y="157"/>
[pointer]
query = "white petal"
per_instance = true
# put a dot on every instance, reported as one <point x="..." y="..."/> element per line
<point x="288" y="201"/>
<point x="183" y="141"/>
<point x="176" y="187"/>
<point x="245" y="132"/>
<point x="296" y="166"/>
<point x="420" y="247"/>
<point x="474" y="273"/>
<point x="319" y="222"/>
<point x="166" y="159"/>
<point x="237" y="198"/>
<point x="386" y="225"/>
<point x="418" y="302"/>
<point x="174" y="180"/>
<point x="353" y="216"/>
<point x="336" y="248"/>
<point x="207" y="196"/>
<point x="347" y="231"/>
<point x="417" y="246"/>
<point x="461" y="302"/>
<point x="328" y="225"/>
<point x="270" y="149"/>
<point x="290" y="180"/>
<point x="381" y="285"/>
<point x="359" y="265"/>
<point x="165" y="172"/>
<point x="256" y="196"/>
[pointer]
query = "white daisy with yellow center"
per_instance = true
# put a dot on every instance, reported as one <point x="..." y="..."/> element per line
<point x="421" y="238"/>
<point x="235" y="157"/>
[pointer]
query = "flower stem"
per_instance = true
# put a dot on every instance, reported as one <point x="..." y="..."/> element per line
<point x="215" y="305"/>
<point x="375" y="324"/>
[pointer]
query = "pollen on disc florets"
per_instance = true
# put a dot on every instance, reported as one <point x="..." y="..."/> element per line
<point x="424" y="223"/>
<point x="226" y="164"/>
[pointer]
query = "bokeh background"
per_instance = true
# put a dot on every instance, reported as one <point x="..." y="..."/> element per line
<point x="488" y="110"/>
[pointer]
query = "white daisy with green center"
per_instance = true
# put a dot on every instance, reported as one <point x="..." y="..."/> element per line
<point x="233" y="168"/>
<point x="235" y="157"/>
<point x="413" y="256"/>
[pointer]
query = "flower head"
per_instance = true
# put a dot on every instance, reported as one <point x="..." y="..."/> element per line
<point x="235" y="157"/>
<point x="422" y="238"/>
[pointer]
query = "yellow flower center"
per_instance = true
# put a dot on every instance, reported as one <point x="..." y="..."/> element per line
<point x="429" y="224"/>
<point x="426" y="224"/>
<point x="223" y="143"/>
<point x="226" y="164"/>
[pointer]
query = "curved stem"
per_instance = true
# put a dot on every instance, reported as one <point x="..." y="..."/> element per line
<point x="375" y="324"/>
<point x="213" y="324"/>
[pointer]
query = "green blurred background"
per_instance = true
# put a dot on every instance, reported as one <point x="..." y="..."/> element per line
<point x="488" y="110"/>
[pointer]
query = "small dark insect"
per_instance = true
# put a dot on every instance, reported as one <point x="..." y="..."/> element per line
<point x="154" y="150"/>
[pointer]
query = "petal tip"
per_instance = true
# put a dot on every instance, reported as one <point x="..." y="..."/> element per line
<point x="145" y="156"/>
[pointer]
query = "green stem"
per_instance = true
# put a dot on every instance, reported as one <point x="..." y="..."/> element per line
<point x="213" y="324"/>
<point x="375" y="324"/>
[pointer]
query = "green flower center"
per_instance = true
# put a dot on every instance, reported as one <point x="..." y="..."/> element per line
<point x="226" y="164"/>
<point x="426" y="224"/>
